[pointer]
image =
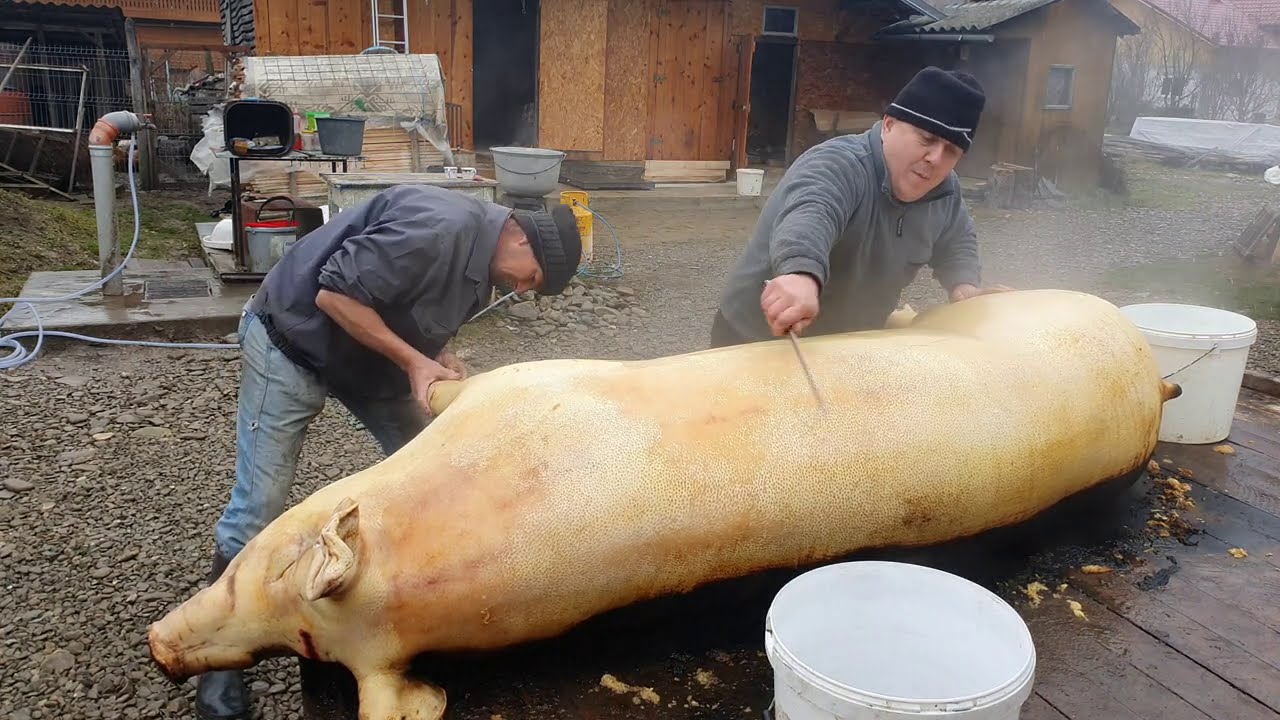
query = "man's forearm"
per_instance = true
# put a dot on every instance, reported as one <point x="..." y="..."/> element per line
<point x="364" y="324"/>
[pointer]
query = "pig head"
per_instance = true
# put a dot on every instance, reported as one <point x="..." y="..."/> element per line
<point x="271" y="599"/>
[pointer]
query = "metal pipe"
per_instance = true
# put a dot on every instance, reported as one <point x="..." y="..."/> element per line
<point x="104" y="203"/>
<point x="101" y="161"/>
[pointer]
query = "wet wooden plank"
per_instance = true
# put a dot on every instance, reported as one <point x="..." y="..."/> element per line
<point x="1083" y="677"/>
<point x="1246" y="475"/>
<point x="1037" y="708"/>
<point x="1257" y="423"/>
<point x="1236" y="524"/>
<point x="1243" y="684"/>
<point x="1250" y="585"/>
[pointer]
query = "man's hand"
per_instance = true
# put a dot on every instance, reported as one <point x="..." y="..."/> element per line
<point x="964" y="291"/>
<point x="453" y="362"/>
<point x="367" y="327"/>
<point x="422" y="374"/>
<point x="790" y="302"/>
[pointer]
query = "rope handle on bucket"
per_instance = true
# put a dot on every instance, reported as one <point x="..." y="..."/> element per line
<point x="1193" y="362"/>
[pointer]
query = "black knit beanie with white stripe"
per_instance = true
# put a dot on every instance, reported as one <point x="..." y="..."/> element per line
<point x="945" y="103"/>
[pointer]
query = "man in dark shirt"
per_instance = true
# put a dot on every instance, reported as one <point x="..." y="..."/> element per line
<point x="361" y="309"/>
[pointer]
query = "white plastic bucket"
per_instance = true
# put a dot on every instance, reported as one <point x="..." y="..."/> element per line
<point x="750" y="181"/>
<point x="1204" y="350"/>
<point x="881" y="640"/>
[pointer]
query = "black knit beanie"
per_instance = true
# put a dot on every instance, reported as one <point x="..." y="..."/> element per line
<point x="556" y="245"/>
<point x="945" y="103"/>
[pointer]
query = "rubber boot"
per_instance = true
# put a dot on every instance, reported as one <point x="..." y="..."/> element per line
<point x="222" y="694"/>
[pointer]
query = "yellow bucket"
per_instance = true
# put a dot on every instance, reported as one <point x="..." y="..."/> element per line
<point x="582" y="215"/>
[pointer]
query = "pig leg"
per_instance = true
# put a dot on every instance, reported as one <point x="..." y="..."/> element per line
<point x="387" y="695"/>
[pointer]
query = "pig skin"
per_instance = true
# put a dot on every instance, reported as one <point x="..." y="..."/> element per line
<point x="548" y="492"/>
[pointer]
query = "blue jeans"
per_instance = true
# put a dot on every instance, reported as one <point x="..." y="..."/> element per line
<point x="278" y="400"/>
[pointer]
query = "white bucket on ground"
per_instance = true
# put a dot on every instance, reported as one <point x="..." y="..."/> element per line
<point x="1180" y="336"/>
<point x="881" y="640"/>
<point x="750" y="181"/>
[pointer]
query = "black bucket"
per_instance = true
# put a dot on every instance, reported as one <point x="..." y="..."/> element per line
<point x="340" y="135"/>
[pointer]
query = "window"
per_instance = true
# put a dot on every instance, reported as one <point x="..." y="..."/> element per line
<point x="1057" y="92"/>
<point x="780" y="20"/>
<point x="389" y="24"/>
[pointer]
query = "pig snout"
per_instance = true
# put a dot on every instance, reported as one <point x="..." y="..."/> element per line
<point x="202" y="634"/>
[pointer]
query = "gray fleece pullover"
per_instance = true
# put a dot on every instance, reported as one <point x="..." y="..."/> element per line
<point x="834" y="216"/>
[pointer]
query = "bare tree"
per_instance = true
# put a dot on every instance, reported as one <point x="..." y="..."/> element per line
<point x="1131" y="89"/>
<point x="1179" y="54"/>
<point x="1243" y="81"/>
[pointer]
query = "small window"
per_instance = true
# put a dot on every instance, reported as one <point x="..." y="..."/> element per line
<point x="1057" y="93"/>
<point x="390" y="25"/>
<point x="780" y="20"/>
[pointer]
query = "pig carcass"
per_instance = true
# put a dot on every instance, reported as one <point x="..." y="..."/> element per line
<point x="548" y="492"/>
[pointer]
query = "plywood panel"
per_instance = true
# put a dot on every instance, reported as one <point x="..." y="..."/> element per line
<point x="571" y="86"/>
<point x="627" y="80"/>
<point x="458" y="89"/>
<point x="262" y="26"/>
<point x="313" y="27"/>
<point x="283" y="19"/>
<point x="345" y="27"/>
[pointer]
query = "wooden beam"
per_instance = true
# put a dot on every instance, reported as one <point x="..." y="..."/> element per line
<point x="137" y="88"/>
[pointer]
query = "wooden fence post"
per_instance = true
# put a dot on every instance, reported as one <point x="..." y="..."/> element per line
<point x="138" y="89"/>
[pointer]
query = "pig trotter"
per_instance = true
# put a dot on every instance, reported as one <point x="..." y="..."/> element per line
<point x="389" y="696"/>
<point x="222" y="694"/>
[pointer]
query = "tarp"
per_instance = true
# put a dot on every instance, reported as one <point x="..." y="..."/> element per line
<point x="1249" y="141"/>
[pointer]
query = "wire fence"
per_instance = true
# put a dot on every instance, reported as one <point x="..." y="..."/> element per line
<point x="181" y="86"/>
<point x="51" y="92"/>
<point x="45" y="88"/>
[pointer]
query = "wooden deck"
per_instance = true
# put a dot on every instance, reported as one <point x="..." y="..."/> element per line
<point x="1177" y="628"/>
<point x="1190" y="630"/>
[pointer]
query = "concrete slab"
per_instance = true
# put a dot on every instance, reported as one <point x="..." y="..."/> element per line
<point x="167" y="299"/>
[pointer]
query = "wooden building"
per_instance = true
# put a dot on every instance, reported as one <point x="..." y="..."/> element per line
<point x="728" y="82"/>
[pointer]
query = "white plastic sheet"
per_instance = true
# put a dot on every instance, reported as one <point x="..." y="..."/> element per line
<point x="1249" y="141"/>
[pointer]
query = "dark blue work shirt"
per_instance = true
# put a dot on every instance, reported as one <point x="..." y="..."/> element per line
<point x="418" y="255"/>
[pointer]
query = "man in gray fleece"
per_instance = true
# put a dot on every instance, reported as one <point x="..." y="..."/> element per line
<point x="855" y="218"/>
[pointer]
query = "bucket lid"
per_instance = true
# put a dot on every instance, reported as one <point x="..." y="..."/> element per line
<point x="900" y="636"/>
<point x="1192" y="326"/>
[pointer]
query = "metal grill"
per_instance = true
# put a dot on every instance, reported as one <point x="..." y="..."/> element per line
<point x="176" y="288"/>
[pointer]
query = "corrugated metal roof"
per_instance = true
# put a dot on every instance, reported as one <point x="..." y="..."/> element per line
<point x="977" y="15"/>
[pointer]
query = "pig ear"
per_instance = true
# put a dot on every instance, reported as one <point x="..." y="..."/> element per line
<point x="335" y="562"/>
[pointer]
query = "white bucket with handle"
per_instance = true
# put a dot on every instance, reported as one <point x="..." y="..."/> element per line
<point x="1204" y="350"/>
<point x="888" y="641"/>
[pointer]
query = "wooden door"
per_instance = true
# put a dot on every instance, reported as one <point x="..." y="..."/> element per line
<point x="742" y="98"/>
<point x="688" y="86"/>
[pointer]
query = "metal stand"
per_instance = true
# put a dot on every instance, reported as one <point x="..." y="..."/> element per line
<point x="240" y="253"/>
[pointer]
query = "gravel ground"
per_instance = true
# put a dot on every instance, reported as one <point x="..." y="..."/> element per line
<point x="115" y="462"/>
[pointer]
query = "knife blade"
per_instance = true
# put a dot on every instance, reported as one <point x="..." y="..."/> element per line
<point x="795" y="343"/>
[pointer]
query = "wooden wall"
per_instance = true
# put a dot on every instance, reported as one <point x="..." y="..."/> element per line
<point x="571" y="72"/>
<point x="632" y="80"/>
<point x="344" y="27"/>
<point x="1066" y="145"/>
